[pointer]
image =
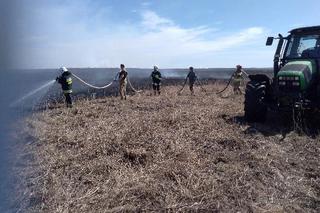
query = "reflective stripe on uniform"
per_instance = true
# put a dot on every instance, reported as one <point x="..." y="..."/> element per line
<point x="69" y="80"/>
<point x="67" y="91"/>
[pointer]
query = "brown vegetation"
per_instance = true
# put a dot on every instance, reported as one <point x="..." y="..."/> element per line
<point x="167" y="153"/>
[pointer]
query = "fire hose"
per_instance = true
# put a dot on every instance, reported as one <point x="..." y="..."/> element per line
<point x="182" y="86"/>
<point x="136" y="91"/>
<point x="203" y="89"/>
<point x="102" y="87"/>
<point x="229" y="82"/>
<point x="90" y="85"/>
<point x="198" y="83"/>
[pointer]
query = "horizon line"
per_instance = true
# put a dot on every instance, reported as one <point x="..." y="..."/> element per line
<point x="177" y="68"/>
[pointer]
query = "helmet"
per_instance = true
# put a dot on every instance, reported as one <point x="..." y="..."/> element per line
<point x="63" y="69"/>
<point x="239" y="66"/>
<point x="155" y="67"/>
<point x="191" y="68"/>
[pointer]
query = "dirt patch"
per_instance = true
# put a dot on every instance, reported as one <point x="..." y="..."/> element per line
<point x="167" y="153"/>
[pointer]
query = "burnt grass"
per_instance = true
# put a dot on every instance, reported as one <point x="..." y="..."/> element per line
<point x="175" y="153"/>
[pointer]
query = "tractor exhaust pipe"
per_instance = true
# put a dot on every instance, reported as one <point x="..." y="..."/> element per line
<point x="277" y="55"/>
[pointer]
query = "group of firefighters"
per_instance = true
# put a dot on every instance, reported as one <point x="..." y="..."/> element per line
<point x="65" y="79"/>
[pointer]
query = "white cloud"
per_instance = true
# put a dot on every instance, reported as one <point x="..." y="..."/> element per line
<point x="145" y="4"/>
<point x="152" y="21"/>
<point x="155" y="40"/>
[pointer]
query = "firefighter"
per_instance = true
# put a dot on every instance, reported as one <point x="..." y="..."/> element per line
<point x="156" y="80"/>
<point x="66" y="83"/>
<point x="237" y="79"/>
<point x="192" y="79"/>
<point x="123" y="74"/>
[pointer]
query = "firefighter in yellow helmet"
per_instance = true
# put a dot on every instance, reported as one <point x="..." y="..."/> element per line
<point x="237" y="79"/>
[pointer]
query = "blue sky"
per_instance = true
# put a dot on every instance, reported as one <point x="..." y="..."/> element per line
<point x="179" y="33"/>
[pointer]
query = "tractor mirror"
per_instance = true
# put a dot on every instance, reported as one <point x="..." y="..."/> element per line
<point x="269" y="41"/>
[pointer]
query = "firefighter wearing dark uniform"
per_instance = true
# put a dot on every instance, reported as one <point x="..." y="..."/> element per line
<point x="123" y="74"/>
<point x="192" y="79"/>
<point x="66" y="83"/>
<point x="156" y="80"/>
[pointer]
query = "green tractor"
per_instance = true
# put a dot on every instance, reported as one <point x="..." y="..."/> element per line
<point x="295" y="85"/>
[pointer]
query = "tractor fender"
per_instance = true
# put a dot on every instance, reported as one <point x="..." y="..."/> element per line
<point x="260" y="78"/>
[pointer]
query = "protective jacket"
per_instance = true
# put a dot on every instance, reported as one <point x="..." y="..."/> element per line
<point x="123" y="76"/>
<point x="192" y="77"/>
<point x="66" y="81"/>
<point x="156" y="77"/>
<point x="237" y="78"/>
<point x="238" y="75"/>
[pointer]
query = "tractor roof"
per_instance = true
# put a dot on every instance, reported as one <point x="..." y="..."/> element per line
<point x="306" y="30"/>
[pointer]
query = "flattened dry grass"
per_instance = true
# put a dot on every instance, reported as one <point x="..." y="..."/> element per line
<point x="167" y="153"/>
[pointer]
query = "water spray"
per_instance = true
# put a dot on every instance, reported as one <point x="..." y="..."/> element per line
<point x="42" y="88"/>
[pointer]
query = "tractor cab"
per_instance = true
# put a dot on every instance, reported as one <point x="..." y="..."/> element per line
<point x="301" y="43"/>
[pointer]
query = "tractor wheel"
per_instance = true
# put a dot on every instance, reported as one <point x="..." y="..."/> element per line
<point x="255" y="109"/>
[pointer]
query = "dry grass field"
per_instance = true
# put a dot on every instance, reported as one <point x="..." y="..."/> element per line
<point x="175" y="153"/>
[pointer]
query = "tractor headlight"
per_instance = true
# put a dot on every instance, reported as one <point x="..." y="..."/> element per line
<point x="296" y="78"/>
<point x="296" y="83"/>
<point x="281" y="78"/>
<point x="282" y="83"/>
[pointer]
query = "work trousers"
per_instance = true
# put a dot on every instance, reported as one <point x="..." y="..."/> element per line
<point x="68" y="99"/>
<point x="123" y="90"/>
<point x="156" y="87"/>
<point x="191" y="83"/>
<point x="236" y="86"/>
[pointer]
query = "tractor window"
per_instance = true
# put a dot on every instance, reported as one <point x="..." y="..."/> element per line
<point x="305" y="46"/>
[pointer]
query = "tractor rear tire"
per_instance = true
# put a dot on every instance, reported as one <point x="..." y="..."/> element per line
<point x="255" y="109"/>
